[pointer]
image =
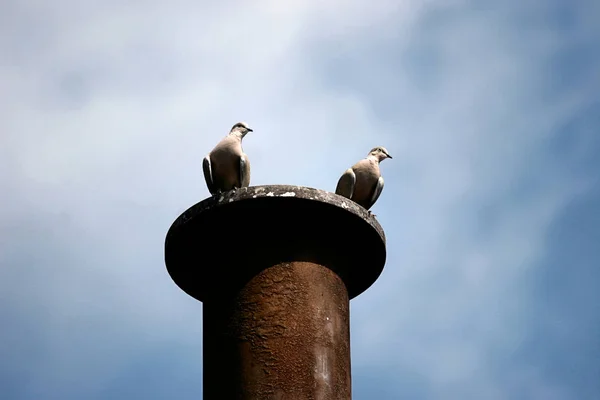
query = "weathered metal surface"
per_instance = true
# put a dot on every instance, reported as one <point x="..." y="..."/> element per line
<point x="221" y="242"/>
<point x="285" y="335"/>
<point x="275" y="267"/>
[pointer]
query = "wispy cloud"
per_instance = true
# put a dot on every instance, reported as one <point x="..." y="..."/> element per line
<point x="108" y="109"/>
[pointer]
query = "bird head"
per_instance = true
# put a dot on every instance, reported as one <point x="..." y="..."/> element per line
<point x="241" y="128"/>
<point x="379" y="153"/>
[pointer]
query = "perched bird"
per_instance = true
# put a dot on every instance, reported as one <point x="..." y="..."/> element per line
<point x="227" y="167"/>
<point x="363" y="182"/>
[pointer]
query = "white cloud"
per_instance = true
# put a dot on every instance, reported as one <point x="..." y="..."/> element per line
<point x="112" y="107"/>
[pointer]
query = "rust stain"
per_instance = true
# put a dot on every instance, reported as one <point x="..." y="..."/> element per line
<point x="289" y="327"/>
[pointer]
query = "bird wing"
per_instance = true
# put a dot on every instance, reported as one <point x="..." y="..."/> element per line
<point x="208" y="174"/>
<point x="376" y="192"/>
<point x="345" y="185"/>
<point x="244" y="171"/>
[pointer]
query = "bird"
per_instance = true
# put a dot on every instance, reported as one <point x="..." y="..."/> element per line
<point x="227" y="167"/>
<point x="363" y="183"/>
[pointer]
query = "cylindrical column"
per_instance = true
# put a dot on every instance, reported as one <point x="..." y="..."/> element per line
<point x="275" y="267"/>
<point x="285" y="335"/>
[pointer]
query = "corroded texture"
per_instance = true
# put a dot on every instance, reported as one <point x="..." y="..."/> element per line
<point x="275" y="267"/>
<point x="285" y="335"/>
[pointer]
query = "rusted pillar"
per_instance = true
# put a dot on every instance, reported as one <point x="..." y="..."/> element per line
<point x="275" y="268"/>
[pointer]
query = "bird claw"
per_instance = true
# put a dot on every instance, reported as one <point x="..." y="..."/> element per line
<point x="371" y="214"/>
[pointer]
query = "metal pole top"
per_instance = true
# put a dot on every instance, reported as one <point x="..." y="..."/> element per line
<point x="219" y="244"/>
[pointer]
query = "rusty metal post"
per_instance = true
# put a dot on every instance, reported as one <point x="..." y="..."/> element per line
<point x="275" y="268"/>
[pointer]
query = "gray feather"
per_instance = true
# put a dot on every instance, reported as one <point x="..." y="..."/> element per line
<point x="345" y="186"/>
<point x="244" y="171"/>
<point x="376" y="192"/>
<point x="208" y="175"/>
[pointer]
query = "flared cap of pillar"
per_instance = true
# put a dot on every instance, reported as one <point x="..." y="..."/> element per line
<point x="217" y="245"/>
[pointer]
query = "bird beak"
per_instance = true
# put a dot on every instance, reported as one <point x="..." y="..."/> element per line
<point x="388" y="156"/>
<point x="250" y="130"/>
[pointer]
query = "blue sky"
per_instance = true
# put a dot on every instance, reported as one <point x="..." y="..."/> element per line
<point x="491" y="206"/>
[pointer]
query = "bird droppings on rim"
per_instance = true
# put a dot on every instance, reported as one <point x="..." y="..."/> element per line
<point x="276" y="310"/>
<point x="281" y="222"/>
